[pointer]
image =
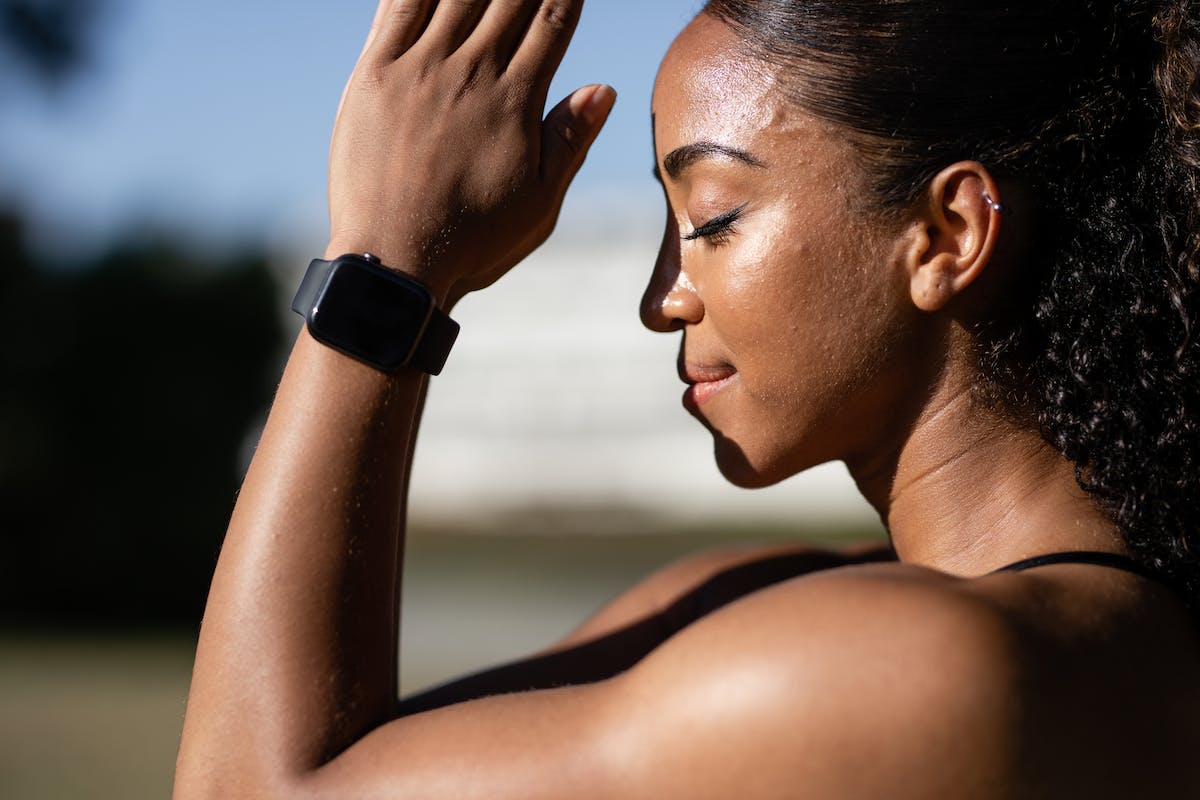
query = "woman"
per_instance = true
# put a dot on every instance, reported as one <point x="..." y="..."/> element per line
<point x="953" y="246"/>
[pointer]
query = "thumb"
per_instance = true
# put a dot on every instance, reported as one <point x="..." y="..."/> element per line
<point x="569" y="130"/>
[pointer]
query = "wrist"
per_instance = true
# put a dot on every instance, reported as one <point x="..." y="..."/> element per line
<point x="383" y="317"/>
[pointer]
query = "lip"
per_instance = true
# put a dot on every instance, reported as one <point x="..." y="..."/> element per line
<point x="704" y="381"/>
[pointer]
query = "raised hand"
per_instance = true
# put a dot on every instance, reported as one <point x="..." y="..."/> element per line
<point x="441" y="163"/>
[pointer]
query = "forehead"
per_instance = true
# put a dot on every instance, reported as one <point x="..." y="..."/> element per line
<point x="708" y="88"/>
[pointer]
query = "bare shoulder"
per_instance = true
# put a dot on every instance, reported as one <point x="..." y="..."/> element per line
<point x="867" y="681"/>
<point x="851" y="682"/>
<point x="893" y="680"/>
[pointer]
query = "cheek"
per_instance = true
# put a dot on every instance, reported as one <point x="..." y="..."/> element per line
<point x="815" y="328"/>
<point x="799" y="293"/>
<point x="766" y="272"/>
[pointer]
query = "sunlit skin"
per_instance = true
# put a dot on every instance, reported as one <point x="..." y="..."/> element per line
<point x="812" y="330"/>
<point x="793" y="301"/>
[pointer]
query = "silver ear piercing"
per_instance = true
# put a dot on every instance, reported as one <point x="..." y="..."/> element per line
<point x="999" y="208"/>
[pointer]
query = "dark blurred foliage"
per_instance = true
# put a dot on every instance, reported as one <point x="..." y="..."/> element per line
<point x="128" y="387"/>
<point x="51" y="37"/>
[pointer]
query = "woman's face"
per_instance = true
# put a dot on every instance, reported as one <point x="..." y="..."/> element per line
<point x="794" y="314"/>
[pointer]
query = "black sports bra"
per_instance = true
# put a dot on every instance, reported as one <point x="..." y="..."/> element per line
<point x="1111" y="560"/>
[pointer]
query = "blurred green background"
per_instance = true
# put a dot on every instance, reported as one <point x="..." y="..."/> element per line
<point x="133" y="377"/>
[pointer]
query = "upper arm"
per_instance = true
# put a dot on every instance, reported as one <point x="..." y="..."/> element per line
<point x="836" y="688"/>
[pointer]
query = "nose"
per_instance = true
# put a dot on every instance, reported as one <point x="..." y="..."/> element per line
<point x="670" y="301"/>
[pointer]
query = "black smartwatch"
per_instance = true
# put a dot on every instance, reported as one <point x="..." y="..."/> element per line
<point x="383" y="318"/>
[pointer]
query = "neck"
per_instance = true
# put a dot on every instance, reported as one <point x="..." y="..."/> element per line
<point x="968" y="490"/>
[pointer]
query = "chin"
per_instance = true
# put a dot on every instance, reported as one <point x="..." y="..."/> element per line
<point x="740" y="470"/>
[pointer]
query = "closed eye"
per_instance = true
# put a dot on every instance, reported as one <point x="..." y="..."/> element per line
<point x="717" y="227"/>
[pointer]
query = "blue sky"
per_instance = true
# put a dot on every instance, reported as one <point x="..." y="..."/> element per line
<point x="213" y="119"/>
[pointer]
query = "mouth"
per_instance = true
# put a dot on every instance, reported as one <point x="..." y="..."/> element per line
<point x="704" y="382"/>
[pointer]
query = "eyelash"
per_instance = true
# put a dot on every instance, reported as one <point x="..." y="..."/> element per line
<point x="717" y="229"/>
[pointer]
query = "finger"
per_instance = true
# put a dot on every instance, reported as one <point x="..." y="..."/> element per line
<point x="569" y="130"/>
<point x="453" y="21"/>
<point x="380" y="12"/>
<point x="546" y="40"/>
<point x="503" y="27"/>
<point x="397" y="26"/>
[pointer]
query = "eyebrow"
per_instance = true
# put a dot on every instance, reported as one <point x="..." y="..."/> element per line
<point x="683" y="157"/>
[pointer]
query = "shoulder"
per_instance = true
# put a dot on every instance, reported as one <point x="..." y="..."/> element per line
<point x="872" y="681"/>
<point x="849" y="680"/>
<point x="868" y="681"/>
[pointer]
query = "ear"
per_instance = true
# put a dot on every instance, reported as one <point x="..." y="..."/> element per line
<point x="958" y="223"/>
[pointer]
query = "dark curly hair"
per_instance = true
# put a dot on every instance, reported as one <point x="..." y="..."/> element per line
<point x="1093" y="107"/>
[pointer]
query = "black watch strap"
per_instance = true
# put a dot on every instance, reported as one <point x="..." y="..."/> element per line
<point x="431" y="350"/>
<point x="434" y="347"/>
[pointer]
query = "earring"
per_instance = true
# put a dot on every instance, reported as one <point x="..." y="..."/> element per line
<point x="999" y="208"/>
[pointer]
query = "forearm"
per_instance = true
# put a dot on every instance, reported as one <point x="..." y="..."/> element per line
<point x="298" y="647"/>
<point x="452" y="175"/>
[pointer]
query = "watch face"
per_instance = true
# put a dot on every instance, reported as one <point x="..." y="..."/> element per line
<point x="371" y="313"/>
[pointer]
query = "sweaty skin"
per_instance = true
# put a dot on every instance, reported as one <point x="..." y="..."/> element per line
<point x="826" y="335"/>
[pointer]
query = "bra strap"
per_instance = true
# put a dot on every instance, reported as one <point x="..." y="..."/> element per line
<point x="1099" y="559"/>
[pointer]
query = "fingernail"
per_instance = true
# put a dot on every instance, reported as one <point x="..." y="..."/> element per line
<point x="599" y="104"/>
